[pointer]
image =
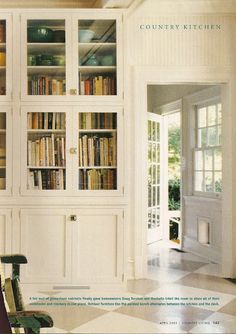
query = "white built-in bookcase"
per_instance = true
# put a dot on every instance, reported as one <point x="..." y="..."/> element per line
<point x="62" y="143"/>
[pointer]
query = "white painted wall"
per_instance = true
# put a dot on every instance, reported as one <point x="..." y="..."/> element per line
<point x="211" y="51"/>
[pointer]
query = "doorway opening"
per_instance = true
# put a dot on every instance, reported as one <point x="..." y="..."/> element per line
<point x="184" y="169"/>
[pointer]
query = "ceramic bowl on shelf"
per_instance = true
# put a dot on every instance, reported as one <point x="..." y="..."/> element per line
<point x="108" y="60"/>
<point x="86" y="35"/>
<point x="59" y="60"/>
<point x="40" y="35"/>
<point x="59" y="36"/>
<point x="92" y="61"/>
<point x="31" y="60"/>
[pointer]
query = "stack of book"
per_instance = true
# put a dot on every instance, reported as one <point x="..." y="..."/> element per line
<point x="46" y="179"/>
<point x="97" y="151"/>
<point x="95" y="179"/>
<point x="46" y="120"/>
<point x="90" y="120"/>
<point x="45" y="85"/>
<point x="47" y="151"/>
<point x="98" y="85"/>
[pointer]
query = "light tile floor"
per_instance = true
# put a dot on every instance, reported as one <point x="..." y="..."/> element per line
<point x="170" y="274"/>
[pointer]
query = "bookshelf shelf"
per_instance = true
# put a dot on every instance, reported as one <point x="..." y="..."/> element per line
<point x="2" y="131"/>
<point x="97" y="69"/>
<point x="43" y="131"/>
<point x="45" y="167"/>
<point x="97" y="130"/>
<point x="97" y="167"/>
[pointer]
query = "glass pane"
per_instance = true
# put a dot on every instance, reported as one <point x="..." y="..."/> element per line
<point x="158" y="132"/>
<point x="154" y="175"/>
<point x="153" y="196"/>
<point x="46" y="57"/>
<point x="157" y="153"/>
<point x="97" y="179"/>
<point x="218" y="160"/>
<point x="209" y="182"/>
<point x="46" y="154"/>
<point x="2" y="151"/>
<point x="149" y="195"/>
<point x="219" y="135"/>
<point x="158" y="195"/>
<point x="198" y="160"/>
<point x="154" y="152"/>
<point x="208" y="156"/>
<point x="212" y="136"/>
<point x="2" y="57"/>
<point x="212" y="115"/>
<point x="202" y="137"/>
<point x="149" y="130"/>
<point x="218" y="182"/>
<point x="97" y="57"/>
<point x="202" y="117"/>
<point x="219" y="108"/>
<point x="153" y="131"/>
<point x="158" y="174"/>
<point x="149" y="153"/>
<point x="97" y="148"/>
<point x="198" y="181"/>
<point x="149" y="219"/>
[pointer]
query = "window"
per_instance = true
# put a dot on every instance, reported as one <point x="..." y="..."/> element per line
<point x="207" y="151"/>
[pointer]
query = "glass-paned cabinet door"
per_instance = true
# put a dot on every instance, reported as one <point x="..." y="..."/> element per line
<point x="3" y="150"/>
<point x="5" y="154"/>
<point x="98" y="56"/>
<point x="44" y="150"/>
<point x="5" y="57"/>
<point x="44" y="49"/>
<point x="98" y="151"/>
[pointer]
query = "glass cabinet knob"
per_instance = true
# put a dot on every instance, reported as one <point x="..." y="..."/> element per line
<point x="73" y="91"/>
<point x="73" y="150"/>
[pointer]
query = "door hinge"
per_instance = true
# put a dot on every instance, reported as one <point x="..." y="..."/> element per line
<point x="123" y="214"/>
<point x="123" y="189"/>
<point x="19" y="190"/>
<point x="123" y="277"/>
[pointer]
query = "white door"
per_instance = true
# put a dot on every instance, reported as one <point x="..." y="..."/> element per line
<point x="154" y="229"/>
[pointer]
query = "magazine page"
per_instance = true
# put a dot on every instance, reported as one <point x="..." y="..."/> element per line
<point x="117" y="166"/>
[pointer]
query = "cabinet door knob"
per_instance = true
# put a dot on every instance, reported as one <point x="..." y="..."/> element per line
<point x="73" y="91"/>
<point x="73" y="218"/>
<point x="73" y="150"/>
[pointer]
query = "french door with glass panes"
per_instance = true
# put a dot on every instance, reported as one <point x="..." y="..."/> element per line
<point x="154" y="226"/>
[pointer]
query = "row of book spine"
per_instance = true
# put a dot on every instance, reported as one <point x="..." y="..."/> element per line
<point x="46" y="120"/>
<point x="97" y="151"/>
<point x="97" y="179"/>
<point x="47" y="151"/>
<point x="97" y="120"/>
<point x="98" y="85"/>
<point x="45" y="85"/>
<point x="46" y="179"/>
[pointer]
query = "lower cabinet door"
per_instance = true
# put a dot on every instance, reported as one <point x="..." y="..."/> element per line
<point x="5" y="235"/>
<point x="5" y="231"/>
<point x="80" y="246"/>
<point x="46" y="241"/>
<point x="98" y="246"/>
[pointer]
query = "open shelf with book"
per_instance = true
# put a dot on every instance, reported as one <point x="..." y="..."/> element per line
<point x="46" y="151"/>
<point x="97" y="151"/>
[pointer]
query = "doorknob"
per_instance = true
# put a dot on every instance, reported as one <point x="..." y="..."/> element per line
<point x="73" y="218"/>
